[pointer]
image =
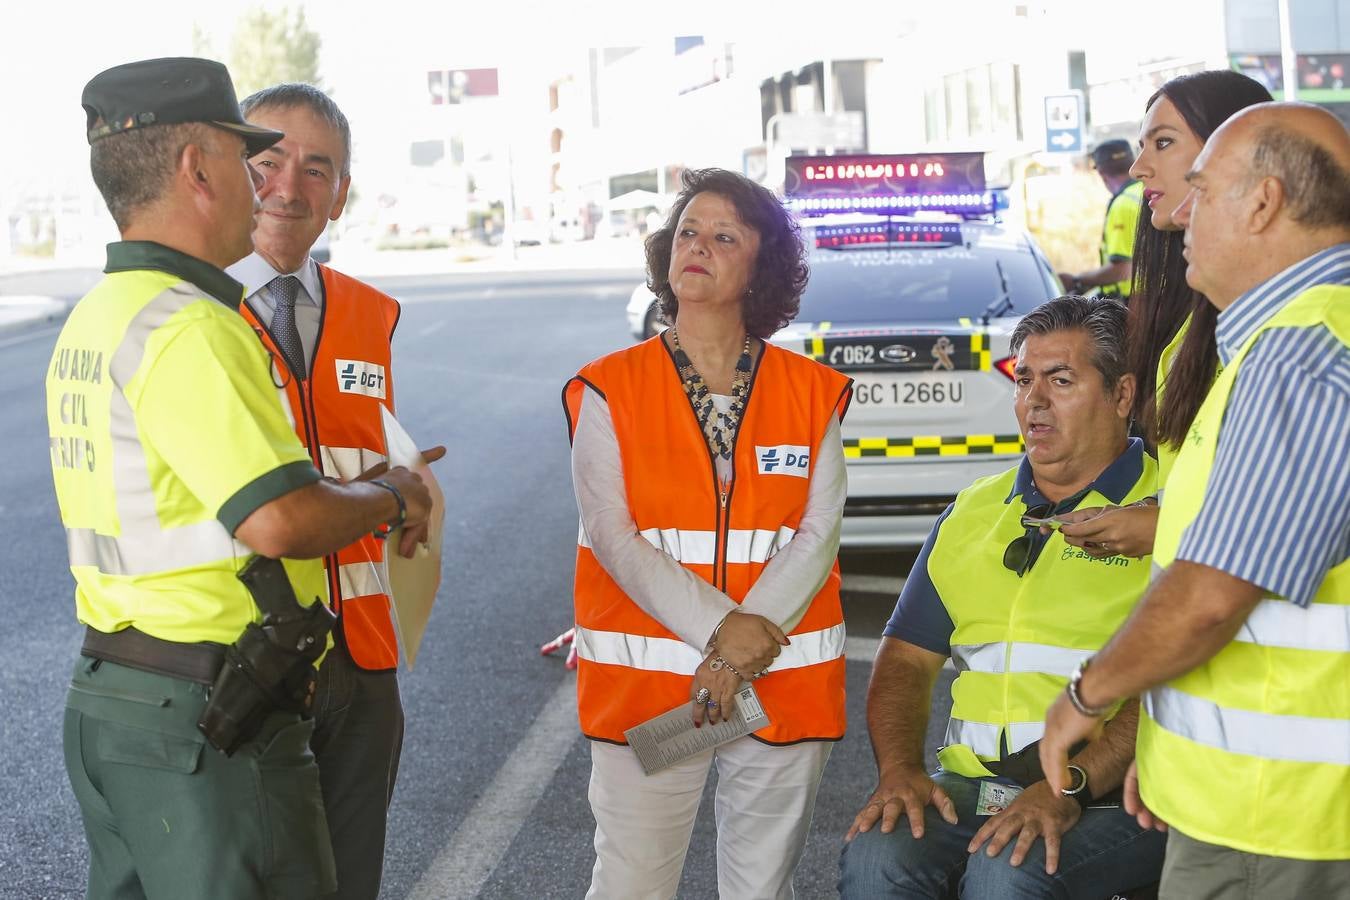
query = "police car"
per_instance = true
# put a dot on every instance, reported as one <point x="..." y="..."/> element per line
<point x="915" y="289"/>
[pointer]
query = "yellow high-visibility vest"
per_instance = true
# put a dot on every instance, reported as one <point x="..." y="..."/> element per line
<point x="1251" y="750"/>
<point x="166" y="431"/>
<point x="1017" y="640"/>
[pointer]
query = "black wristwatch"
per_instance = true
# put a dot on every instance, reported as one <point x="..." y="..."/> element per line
<point x="1079" y="789"/>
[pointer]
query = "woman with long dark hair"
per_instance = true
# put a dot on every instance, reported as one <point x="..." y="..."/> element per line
<point x="1170" y="348"/>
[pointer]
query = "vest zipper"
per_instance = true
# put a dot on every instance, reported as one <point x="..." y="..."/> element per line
<point x="730" y="489"/>
<point x="722" y="491"/>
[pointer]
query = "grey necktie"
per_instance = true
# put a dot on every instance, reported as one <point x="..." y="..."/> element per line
<point x="284" y="289"/>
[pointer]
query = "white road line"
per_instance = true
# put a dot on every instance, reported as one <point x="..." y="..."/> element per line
<point x="432" y="328"/>
<point x="874" y="584"/>
<point x="482" y="839"/>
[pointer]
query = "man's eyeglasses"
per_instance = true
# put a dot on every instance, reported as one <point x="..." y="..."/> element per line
<point x="1017" y="556"/>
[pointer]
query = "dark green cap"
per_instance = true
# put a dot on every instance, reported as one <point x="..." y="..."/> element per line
<point x="168" y="91"/>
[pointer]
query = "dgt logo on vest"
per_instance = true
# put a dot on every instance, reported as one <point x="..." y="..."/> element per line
<point x="357" y="377"/>
<point x="785" y="459"/>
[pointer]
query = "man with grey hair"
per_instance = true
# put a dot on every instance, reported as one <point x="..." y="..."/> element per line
<point x="1241" y="647"/>
<point x="1015" y="608"/>
<point x="331" y="336"/>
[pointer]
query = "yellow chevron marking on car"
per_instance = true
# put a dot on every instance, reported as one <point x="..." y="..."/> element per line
<point x="818" y="341"/>
<point x="933" y="445"/>
<point x="979" y="352"/>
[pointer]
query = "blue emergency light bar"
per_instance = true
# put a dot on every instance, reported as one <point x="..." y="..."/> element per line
<point x="894" y="183"/>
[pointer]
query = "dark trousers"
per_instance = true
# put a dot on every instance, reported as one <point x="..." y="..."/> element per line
<point x="167" y="816"/>
<point x="358" y="736"/>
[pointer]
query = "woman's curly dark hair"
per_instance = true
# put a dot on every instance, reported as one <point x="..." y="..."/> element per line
<point x="780" y="273"/>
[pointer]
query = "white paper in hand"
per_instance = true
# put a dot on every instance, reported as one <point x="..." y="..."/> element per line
<point x="413" y="582"/>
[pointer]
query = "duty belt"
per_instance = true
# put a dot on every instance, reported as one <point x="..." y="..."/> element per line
<point x="138" y="650"/>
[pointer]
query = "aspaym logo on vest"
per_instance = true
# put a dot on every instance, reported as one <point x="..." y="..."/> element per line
<point x="784" y="459"/>
<point x="358" y="377"/>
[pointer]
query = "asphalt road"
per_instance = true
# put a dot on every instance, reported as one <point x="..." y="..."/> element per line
<point x="491" y="799"/>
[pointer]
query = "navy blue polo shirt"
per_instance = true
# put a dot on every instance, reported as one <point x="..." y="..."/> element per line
<point x="921" y="619"/>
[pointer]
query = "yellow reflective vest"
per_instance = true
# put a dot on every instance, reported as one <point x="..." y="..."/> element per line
<point x="1122" y="218"/>
<point x="166" y="431"/>
<point x="1251" y="750"/>
<point x="1017" y="640"/>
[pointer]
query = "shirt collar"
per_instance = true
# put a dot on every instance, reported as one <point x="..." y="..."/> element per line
<point x="1254" y="308"/>
<point x="131" y="256"/>
<point x="256" y="273"/>
<point x="1114" y="483"/>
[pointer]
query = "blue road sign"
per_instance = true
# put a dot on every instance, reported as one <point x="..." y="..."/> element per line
<point x="1064" y="123"/>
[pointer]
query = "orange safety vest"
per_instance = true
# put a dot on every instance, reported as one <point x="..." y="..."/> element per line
<point x="336" y="410"/>
<point x="630" y="666"/>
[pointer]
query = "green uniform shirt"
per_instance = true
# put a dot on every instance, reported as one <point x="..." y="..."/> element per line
<point x="167" y="431"/>
<point x="1122" y="217"/>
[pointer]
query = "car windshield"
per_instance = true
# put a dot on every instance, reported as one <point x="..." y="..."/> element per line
<point x="919" y="283"/>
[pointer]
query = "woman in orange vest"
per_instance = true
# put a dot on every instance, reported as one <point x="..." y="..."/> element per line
<point x="710" y="478"/>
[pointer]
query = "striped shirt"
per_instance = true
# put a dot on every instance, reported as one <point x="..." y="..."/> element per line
<point x="1277" y="508"/>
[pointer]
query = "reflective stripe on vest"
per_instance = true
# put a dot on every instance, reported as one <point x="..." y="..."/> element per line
<point x="1251" y="749"/>
<point x="345" y="434"/>
<point x="699" y="547"/>
<point x="655" y="654"/>
<point x="631" y="667"/>
<point x="1003" y="686"/>
<point x="982" y="737"/>
<point x="1044" y="658"/>
<point x="1296" y="738"/>
<point x="362" y="579"/>
<point x="348" y="462"/>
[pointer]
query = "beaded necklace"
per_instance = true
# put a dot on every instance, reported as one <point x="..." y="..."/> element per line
<point x="719" y="428"/>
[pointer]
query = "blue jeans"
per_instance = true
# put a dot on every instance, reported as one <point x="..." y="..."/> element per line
<point x="1103" y="853"/>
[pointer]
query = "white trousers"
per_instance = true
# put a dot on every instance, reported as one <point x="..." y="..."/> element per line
<point x="765" y="798"/>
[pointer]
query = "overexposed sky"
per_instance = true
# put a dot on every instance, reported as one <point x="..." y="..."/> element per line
<point x="375" y="55"/>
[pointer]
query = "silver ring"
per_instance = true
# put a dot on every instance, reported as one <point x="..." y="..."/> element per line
<point x="712" y="704"/>
<point x="703" y="696"/>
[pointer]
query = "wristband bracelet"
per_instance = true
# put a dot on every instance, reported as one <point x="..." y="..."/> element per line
<point x="383" y="531"/>
<point x="1079" y="792"/>
<point x="720" y="663"/>
<point x="1092" y="712"/>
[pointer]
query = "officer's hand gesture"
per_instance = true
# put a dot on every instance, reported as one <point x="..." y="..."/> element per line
<point x="417" y="499"/>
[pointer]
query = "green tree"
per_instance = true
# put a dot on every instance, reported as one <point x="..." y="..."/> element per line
<point x="272" y="46"/>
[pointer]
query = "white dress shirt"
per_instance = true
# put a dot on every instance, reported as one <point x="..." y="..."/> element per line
<point x="256" y="273"/>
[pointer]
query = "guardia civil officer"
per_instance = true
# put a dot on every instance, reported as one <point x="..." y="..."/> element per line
<point x="1112" y="160"/>
<point x="175" y="468"/>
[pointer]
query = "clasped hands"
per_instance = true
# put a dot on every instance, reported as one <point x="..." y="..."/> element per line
<point x="747" y="643"/>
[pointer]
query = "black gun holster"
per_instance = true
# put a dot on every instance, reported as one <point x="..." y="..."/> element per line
<point x="270" y="668"/>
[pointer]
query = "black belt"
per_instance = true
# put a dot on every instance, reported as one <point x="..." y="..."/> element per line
<point x="129" y="647"/>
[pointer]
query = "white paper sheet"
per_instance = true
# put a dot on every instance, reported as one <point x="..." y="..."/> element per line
<point x="671" y="736"/>
<point x="413" y="582"/>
